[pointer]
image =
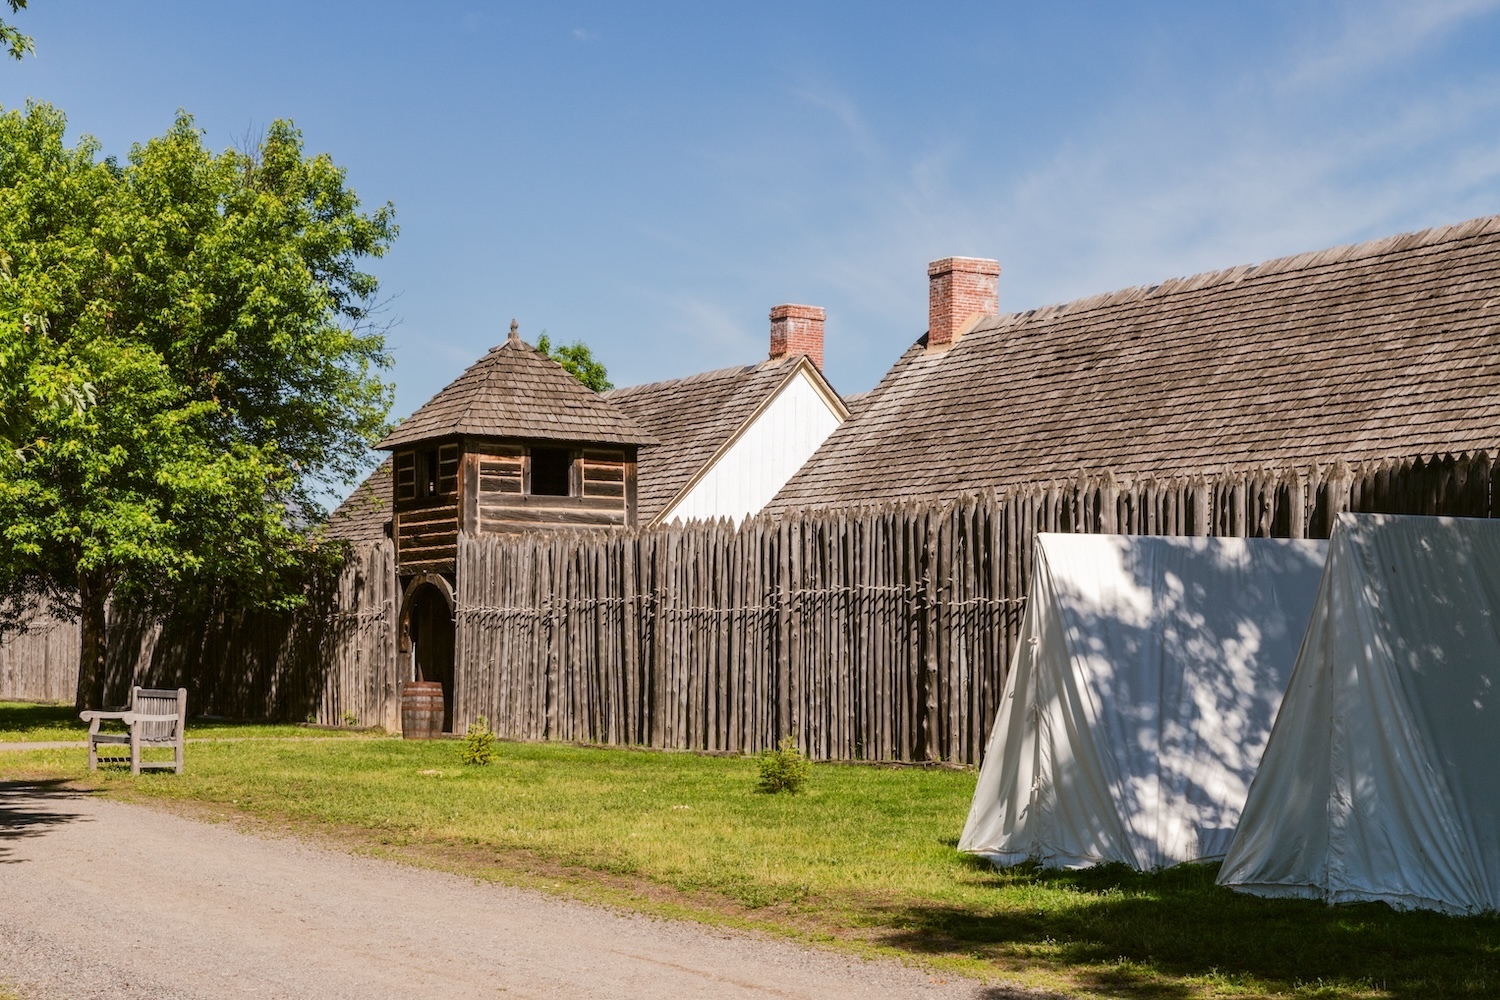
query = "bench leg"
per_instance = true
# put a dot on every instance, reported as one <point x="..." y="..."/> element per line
<point x="135" y="751"/>
<point x="177" y="750"/>
<point x="93" y="756"/>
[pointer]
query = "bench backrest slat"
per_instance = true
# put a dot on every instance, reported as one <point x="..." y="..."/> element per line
<point x="156" y="702"/>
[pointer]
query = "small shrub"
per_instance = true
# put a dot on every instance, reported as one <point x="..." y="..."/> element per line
<point x="479" y="742"/>
<point x="350" y="718"/>
<point x="783" y="769"/>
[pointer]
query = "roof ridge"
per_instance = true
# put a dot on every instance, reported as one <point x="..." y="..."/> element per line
<point x="736" y="431"/>
<point x="697" y="376"/>
<point x="1277" y="265"/>
<point x="1377" y="351"/>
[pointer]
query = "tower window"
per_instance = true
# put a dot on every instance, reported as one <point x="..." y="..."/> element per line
<point x="551" y="470"/>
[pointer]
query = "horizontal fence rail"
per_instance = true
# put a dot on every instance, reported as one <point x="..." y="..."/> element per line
<point x="877" y="633"/>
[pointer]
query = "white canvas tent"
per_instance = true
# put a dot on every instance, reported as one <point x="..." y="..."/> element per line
<point x="1143" y="690"/>
<point x="1381" y="780"/>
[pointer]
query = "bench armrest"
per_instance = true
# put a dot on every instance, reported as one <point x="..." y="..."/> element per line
<point x="94" y="718"/>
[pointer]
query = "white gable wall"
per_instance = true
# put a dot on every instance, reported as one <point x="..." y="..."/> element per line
<point x="768" y="452"/>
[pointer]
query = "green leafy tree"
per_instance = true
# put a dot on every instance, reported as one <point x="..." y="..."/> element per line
<point x="186" y="363"/>
<point x="579" y="362"/>
<point x="11" y="38"/>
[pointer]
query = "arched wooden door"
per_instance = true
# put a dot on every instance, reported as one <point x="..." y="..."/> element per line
<point x="430" y="624"/>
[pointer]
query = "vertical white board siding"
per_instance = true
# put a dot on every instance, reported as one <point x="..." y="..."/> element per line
<point x="767" y="453"/>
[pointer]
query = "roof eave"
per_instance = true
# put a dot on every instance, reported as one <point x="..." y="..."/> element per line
<point x="393" y="441"/>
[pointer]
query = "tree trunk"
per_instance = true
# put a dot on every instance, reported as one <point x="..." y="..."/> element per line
<point x="93" y="592"/>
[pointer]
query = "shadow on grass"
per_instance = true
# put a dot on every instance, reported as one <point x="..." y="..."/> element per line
<point x="31" y="808"/>
<point x="1175" y="934"/>
<point x="20" y="720"/>
<point x="28" y="717"/>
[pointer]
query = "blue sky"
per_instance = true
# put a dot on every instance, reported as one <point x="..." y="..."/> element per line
<point x="653" y="180"/>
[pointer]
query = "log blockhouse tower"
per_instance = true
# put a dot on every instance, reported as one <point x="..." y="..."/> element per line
<point x="513" y="444"/>
<point x="516" y="444"/>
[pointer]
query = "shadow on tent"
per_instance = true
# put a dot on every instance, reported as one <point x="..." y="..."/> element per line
<point x="1150" y="673"/>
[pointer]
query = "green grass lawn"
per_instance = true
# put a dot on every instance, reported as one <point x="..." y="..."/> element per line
<point x="863" y="859"/>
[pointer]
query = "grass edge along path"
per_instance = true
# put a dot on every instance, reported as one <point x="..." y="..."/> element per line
<point x="863" y="862"/>
<point x="45" y="722"/>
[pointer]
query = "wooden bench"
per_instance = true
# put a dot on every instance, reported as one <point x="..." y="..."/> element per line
<point x="155" y="719"/>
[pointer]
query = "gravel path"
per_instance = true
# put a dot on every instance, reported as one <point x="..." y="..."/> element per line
<point x="105" y="899"/>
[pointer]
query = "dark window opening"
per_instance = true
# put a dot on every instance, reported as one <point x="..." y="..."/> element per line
<point x="550" y="469"/>
<point x="406" y="475"/>
<point x="430" y="473"/>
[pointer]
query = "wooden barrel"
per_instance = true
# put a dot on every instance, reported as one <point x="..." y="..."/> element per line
<point x="421" y="710"/>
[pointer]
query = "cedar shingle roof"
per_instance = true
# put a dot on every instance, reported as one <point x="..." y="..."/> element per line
<point x="1384" y="350"/>
<point x="693" y="418"/>
<point x="856" y="401"/>
<point x="516" y="391"/>
<point x="363" y="515"/>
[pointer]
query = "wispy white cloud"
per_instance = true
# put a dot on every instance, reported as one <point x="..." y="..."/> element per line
<point x="1373" y="36"/>
<point x="1141" y="203"/>
<point x="841" y="107"/>
<point x="1145" y="193"/>
<point x="698" y="331"/>
<point x="832" y="202"/>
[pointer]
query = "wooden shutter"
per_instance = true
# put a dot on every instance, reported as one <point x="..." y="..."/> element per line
<point x="447" y="470"/>
<point x="406" y="475"/>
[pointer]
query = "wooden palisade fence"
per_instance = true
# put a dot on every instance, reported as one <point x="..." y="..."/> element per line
<point x="879" y="633"/>
<point x="874" y="633"/>
<point x="332" y="660"/>
<point x="40" y="662"/>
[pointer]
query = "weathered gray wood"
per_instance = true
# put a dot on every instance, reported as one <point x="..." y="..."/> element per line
<point x="155" y="718"/>
<point x="882" y="633"/>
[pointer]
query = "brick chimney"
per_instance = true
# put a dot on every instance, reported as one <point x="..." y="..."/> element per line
<point x="960" y="292"/>
<point x="798" y="330"/>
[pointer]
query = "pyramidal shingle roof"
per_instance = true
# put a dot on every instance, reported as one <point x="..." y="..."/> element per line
<point x="1382" y="351"/>
<point x="516" y="391"/>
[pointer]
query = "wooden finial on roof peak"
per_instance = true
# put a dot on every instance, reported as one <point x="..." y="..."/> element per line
<point x="515" y="335"/>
